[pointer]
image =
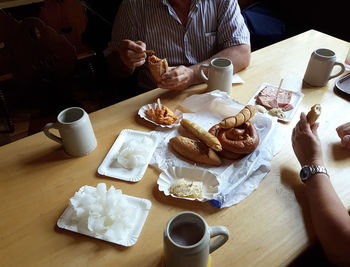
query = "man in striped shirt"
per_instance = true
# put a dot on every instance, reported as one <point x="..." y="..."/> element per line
<point x="187" y="33"/>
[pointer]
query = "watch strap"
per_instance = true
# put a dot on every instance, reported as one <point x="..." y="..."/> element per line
<point x="308" y="170"/>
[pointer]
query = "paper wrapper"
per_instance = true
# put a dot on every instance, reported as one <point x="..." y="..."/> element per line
<point x="157" y="69"/>
<point x="237" y="178"/>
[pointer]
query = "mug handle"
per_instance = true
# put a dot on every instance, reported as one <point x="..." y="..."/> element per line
<point x="50" y="135"/>
<point x="202" y="67"/>
<point x="340" y="72"/>
<point x="223" y="233"/>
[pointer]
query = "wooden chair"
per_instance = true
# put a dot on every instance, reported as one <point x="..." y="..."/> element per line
<point x="6" y="33"/>
<point x="68" y="17"/>
<point x="41" y="62"/>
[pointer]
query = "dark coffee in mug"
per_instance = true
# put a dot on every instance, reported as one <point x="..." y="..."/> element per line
<point x="186" y="233"/>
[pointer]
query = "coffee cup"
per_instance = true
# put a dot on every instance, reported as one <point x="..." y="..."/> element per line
<point x="320" y="67"/>
<point x="76" y="132"/>
<point x="220" y="72"/>
<point x="187" y="240"/>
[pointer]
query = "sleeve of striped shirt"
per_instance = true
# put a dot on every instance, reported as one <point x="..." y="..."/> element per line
<point x="123" y="27"/>
<point x="231" y="26"/>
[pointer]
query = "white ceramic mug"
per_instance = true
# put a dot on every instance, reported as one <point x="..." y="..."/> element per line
<point x="187" y="240"/>
<point x="220" y="72"/>
<point x="75" y="129"/>
<point x="319" y="69"/>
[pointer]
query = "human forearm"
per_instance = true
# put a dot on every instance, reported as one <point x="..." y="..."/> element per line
<point x="239" y="55"/>
<point x="330" y="218"/>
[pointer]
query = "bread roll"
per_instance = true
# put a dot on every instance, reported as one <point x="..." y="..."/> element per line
<point x="243" y="116"/>
<point x="203" y="135"/>
<point x="157" y="67"/>
<point x="314" y="113"/>
<point x="194" y="150"/>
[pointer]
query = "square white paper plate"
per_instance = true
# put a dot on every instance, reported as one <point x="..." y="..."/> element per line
<point x="141" y="207"/>
<point x="109" y="166"/>
<point x="295" y="101"/>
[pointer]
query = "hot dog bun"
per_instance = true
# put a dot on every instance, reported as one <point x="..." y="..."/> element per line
<point x="314" y="113"/>
<point x="203" y="135"/>
<point x="194" y="150"/>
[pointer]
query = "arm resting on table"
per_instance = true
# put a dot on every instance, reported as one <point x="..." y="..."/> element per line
<point x="330" y="219"/>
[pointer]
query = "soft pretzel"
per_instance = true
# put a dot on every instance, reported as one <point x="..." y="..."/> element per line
<point x="243" y="116"/>
<point x="224" y="153"/>
<point x="241" y="142"/>
<point x="236" y="142"/>
<point x="203" y="135"/>
<point x="314" y="113"/>
<point x="194" y="150"/>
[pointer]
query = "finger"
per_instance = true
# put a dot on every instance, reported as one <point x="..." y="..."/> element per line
<point x="340" y="131"/>
<point x="314" y="128"/>
<point x="139" y="63"/>
<point x="294" y="132"/>
<point x="141" y="44"/>
<point x="346" y="141"/>
<point x="128" y="44"/>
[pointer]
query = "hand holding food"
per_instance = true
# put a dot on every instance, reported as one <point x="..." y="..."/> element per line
<point x="161" y="114"/>
<point x="306" y="144"/>
<point x="243" y="116"/>
<point x="203" y="135"/>
<point x="314" y="113"/>
<point x="194" y="150"/>
<point x="178" y="78"/>
<point x="157" y="67"/>
<point x="132" y="53"/>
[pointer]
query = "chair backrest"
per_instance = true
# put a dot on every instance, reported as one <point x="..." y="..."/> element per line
<point x="67" y="17"/>
<point x="7" y="29"/>
<point x="37" y="51"/>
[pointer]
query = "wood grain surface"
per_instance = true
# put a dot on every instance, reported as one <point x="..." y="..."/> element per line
<point x="271" y="227"/>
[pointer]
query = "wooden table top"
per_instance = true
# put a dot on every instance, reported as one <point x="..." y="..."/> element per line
<point x="271" y="227"/>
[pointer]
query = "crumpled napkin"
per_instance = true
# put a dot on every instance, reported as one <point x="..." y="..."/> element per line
<point x="237" y="178"/>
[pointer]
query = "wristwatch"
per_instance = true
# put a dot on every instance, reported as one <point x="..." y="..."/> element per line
<point x="308" y="170"/>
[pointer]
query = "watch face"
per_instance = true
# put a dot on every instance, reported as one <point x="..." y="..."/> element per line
<point x="305" y="172"/>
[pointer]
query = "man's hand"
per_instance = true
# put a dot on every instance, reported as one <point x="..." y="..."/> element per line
<point x="132" y="54"/>
<point x="178" y="78"/>
<point x="344" y="134"/>
<point x="306" y="144"/>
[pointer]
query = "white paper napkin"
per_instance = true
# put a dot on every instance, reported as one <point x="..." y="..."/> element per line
<point x="237" y="79"/>
<point x="237" y="178"/>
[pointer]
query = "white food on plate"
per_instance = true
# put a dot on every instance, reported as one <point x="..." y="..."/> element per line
<point x="184" y="188"/>
<point x="134" y="153"/>
<point x="260" y="108"/>
<point x="277" y="112"/>
<point x="102" y="213"/>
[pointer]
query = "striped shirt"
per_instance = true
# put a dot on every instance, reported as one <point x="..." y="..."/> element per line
<point x="212" y="26"/>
